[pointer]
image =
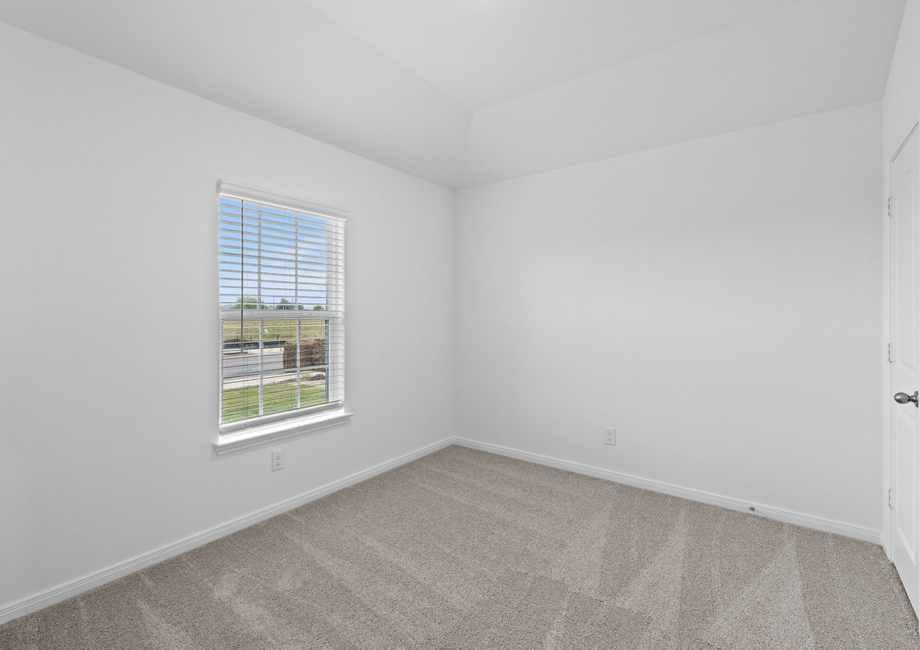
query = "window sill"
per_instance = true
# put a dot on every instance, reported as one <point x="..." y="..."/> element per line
<point x="275" y="431"/>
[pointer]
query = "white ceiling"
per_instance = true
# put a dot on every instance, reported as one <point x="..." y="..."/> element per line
<point x="465" y="92"/>
<point x="484" y="52"/>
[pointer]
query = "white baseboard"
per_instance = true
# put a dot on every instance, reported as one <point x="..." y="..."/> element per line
<point x="885" y="541"/>
<point x="778" y="514"/>
<point x="80" y="585"/>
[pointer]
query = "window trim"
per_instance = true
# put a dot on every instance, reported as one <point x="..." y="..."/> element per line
<point x="272" y="432"/>
<point x="237" y="191"/>
<point x="251" y="432"/>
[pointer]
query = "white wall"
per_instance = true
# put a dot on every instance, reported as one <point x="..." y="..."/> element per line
<point x="717" y="301"/>
<point x="108" y="255"/>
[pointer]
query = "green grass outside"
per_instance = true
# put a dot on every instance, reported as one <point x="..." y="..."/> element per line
<point x="274" y="330"/>
<point x="240" y="403"/>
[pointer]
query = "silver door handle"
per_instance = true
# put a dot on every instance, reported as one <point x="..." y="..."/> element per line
<point x="904" y="398"/>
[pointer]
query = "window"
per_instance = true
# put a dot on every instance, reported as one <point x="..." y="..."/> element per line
<point x="281" y="316"/>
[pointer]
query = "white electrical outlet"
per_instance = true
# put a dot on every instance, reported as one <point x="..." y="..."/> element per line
<point x="277" y="460"/>
<point x="610" y="436"/>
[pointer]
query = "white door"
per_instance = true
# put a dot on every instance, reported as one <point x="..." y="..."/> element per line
<point x="905" y="365"/>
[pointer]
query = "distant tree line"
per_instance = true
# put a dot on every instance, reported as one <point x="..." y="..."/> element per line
<point x="248" y="302"/>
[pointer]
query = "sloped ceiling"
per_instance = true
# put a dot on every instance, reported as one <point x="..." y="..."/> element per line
<point x="466" y="92"/>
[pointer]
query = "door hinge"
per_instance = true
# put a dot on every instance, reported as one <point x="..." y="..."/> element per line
<point x="889" y="354"/>
<point x="891" y="498"/>
<point x="890" y="206"/>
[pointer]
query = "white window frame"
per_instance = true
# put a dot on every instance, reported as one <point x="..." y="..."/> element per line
<point x="254" y="431"/>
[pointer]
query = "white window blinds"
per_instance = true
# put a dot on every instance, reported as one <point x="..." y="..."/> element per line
<point x="281" y="307"/>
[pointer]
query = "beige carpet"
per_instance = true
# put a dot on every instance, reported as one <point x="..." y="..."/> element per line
<point x="464" y="549"/>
